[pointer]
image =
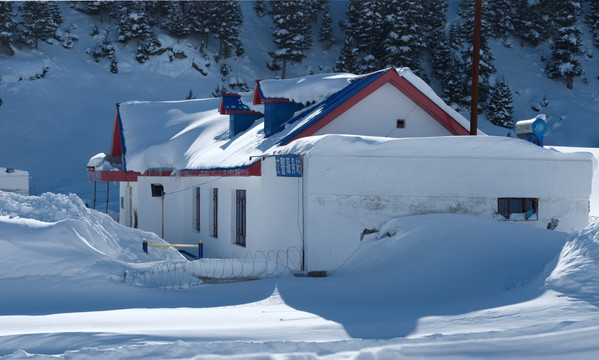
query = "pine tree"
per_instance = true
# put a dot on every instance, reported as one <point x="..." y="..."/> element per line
<point x="40" y="20"/>
<point x="365" y="31"/>
<point x="447" y="66"/>
<point x="501" y="17"/>
<point x="593" y="21"/>
<point x="94" y="7"/>
<point x="348" y="59"/>
<point x="227" y="23"/>
<point x="486" y="67"/>
<point x="533" y="21"/>
<point x="202" y="17"/>
<point x="175" y="22"/>
<point x="114" y="65"/>
<point x="103" y="50"/>
<point x="134" y="24"/>
<point x="291" y="32"/>
<point x="404" y="44"/>
<point x="567" y="44"/>
<point x="434" y="21"/>
<point x="500" y="108"/>
<point x="260" y="8"/>
<point x="326" y="35"/>
<point x="7" y="27"/>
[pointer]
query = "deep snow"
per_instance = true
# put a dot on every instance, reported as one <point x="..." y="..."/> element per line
<point x="431" y="286"/>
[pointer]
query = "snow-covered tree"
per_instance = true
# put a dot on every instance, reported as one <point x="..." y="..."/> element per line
<point x="593" y="21"/>
<point x="534" y="20"/>
<point x="486" y="67"/>
<point x="500" y="108"/>
<point x="365" y="30"/>
<point x="40" y="20"/>
<point x="7" y="27"/>
<point x="404" y="44"/>
<point x="291" y="32"/>
<point x="202" y="17"/>
<point x="348" y="59"/>
<point x="226" y="26"/>
<point x="103" y="50"/>
<point x="99" y="8"/>
<point x="114" y="65"/>
<point x="325" y="34"/>
<point x="434" y="20"/>
<point x="446" y="62"/>
<point x="500" y="14"/>
<point x="175" y="22"/>
<point x="260" y="8"/>
<point x="567" y="44"/>
<point x="133" y="22"/>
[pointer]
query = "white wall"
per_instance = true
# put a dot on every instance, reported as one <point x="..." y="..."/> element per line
<point x="377" y="114"/>
<point x="17" y="181"/>
<point x="345" y="195"/>
<point x="272" y="213"/>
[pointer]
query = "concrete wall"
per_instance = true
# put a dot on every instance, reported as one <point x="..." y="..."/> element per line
<point x="345" y="195"/>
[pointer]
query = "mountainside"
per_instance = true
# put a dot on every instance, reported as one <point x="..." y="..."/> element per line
<point x="57" y="106"/>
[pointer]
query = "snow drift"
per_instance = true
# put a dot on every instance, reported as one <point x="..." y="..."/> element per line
<point x="577" y="271"/>
<point x="441" y="258"/>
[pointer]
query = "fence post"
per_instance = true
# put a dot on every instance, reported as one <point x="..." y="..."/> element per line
<point x="145" y="246"/>
<point x="200" y="249"/>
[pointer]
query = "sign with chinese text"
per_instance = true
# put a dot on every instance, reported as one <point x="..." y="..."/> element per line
<point x="289" y="165"/>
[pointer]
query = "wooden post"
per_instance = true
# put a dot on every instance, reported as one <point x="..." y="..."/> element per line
<point x="475" y="66"/>
<point x="107" y="194"/>
<point x="95" y="195"/>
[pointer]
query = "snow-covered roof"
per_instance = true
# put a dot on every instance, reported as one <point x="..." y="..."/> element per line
<point x="12" y="172"/>
<point x="305" y="89"/>
<point x="193" y="135"/>
<point x="488" y="147"/>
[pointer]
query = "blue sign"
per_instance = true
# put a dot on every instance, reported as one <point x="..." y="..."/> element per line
<point x="289" y="165"/>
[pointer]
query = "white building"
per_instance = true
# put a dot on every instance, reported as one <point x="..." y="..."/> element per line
<point x="16" y="181"/>
<point x="308" y="164"/>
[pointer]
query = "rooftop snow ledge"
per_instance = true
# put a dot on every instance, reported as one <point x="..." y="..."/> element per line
<point x="440" y="147"/>
<point x="306" y="89"/>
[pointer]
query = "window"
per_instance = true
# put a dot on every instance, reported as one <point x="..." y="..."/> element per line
<point x="518" y="208"/>
<point x="215" y="212"/>
<point x="240" y="216"/>
<point x="197" y="227"/>
<point x="401" y="123"/>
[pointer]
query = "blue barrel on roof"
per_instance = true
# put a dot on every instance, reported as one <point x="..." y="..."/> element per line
<point x="532" y="130"/>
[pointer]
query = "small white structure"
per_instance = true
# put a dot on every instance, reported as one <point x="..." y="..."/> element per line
<point x="308" y="164"/>
<point x="16" y="181"/>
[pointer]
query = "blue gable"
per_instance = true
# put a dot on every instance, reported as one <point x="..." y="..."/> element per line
<point x="277" y="113"/>
<point x="240" y="122"/>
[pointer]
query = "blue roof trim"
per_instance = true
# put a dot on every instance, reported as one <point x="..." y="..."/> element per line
<point x="331" y="103"/>
<point x="234" y="103"/>
<point x="123" y="147"/>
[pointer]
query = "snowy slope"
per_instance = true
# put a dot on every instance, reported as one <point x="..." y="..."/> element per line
<point x="51" y="126"/>
<point x="434" y="286"/>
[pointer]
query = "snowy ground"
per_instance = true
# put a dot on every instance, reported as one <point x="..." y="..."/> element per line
<point x="435" y="286"/>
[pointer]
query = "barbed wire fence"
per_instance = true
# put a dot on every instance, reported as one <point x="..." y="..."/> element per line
<point x="185" y="274"/>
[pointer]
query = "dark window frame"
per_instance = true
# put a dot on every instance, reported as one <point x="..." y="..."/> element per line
<point x="507" y="206"/>
<point x="198" y="211"/>
<point x="215" y="212"/>
<point x="240" y="217"/>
